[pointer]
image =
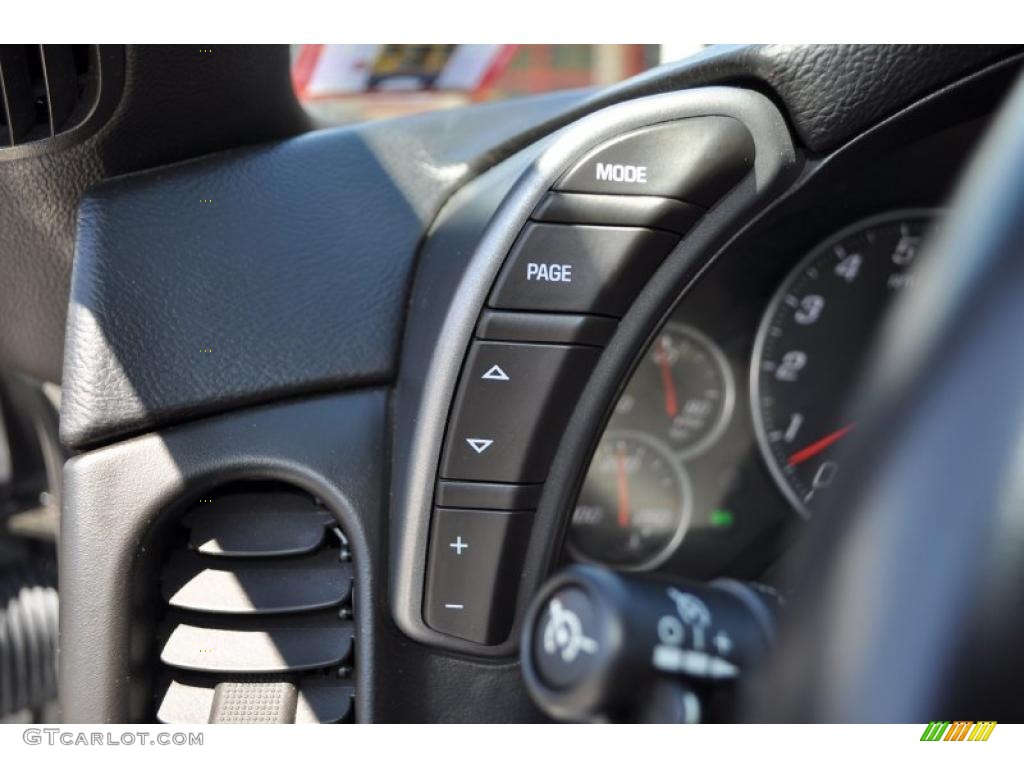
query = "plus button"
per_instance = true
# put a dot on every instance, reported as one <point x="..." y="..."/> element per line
<point x="458" y="545"/>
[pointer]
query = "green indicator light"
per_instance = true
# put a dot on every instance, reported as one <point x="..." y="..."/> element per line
<point x="721" y="518"/>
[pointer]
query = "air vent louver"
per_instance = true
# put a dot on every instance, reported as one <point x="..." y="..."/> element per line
<point x="46" y="90"/>
<point x="259" y="623"/>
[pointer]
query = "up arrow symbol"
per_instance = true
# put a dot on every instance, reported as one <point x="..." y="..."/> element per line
<point x="479" y="444"/>
<point x="495" y="373"/>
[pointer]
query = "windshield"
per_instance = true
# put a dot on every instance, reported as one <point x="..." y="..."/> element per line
<point x="346" y="83"/>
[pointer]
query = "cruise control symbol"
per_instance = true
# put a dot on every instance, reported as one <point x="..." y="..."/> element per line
<point x="479" y="444"/>
<point x="494" y="373"/>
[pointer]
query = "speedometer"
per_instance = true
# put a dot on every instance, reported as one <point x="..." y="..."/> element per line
<point x="812" y="345"/>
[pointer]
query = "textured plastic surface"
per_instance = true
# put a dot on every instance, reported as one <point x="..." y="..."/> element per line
<point x="252" y="325"/>
<point x="284" y="246"/>
<point x="177" y="102"/>
<point x="255" y="702"/>
<point x="189" y="699"/>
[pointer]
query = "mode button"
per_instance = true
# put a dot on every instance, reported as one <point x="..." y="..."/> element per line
<point x="696" y="160"/>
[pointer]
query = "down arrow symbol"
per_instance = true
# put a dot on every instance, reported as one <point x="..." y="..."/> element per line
<point x="479" y="444"/>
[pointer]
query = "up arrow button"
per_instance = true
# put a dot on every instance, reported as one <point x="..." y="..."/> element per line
<point x="512" y="404"/>
<point x="495" y="373"/>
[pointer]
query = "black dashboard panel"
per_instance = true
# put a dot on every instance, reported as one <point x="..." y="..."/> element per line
<point x="145" y="347"/>
<point x="253" y="254"/>
<point x="172" y="106"/>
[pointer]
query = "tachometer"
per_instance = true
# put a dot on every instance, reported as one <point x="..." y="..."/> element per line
<point x="635" y="504"/>
<point x="812" y="345"/>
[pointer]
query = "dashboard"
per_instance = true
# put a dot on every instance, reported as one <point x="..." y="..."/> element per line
<point x="531" y="373"/>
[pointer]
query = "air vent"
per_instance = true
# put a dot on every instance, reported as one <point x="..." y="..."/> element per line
<point x="46" y="89"/>
<point x="258" y="624"/>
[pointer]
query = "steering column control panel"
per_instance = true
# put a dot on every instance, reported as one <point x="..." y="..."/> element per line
<point x="559" y="260"/>
<point x="591" y="245"/>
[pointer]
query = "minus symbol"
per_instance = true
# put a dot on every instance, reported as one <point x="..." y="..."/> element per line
<point x="454" y="606"/>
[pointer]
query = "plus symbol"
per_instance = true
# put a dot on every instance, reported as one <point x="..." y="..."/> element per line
<point x="458" y="545"/>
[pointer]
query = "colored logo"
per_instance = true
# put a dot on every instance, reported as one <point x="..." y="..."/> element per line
<point x="960" y="730"/>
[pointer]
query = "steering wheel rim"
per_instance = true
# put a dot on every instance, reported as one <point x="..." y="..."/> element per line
<point x="909" y="596"/>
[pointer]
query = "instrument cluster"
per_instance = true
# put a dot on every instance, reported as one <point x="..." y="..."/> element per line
<point x="732" y="424"/>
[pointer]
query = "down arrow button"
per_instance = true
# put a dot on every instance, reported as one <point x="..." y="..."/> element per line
<point x="511" y="407"/>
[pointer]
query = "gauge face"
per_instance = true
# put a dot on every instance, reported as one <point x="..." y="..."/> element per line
<point x="812" y="346"/>
<point x="682" y="391"/>
<point x="635" y="504"/>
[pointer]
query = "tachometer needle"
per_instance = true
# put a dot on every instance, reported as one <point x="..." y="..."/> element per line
<point x="623" y="486"/>
<point x="667" y="383"/>
<point x="818" y="446"/>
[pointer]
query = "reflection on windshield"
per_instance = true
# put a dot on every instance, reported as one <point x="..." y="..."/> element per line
<point x="345" y="83"/>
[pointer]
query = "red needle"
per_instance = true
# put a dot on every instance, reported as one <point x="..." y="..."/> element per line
<point x="623" y="485"/>
<point x="818" y="446"/>
<point x="667" y="384"/>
